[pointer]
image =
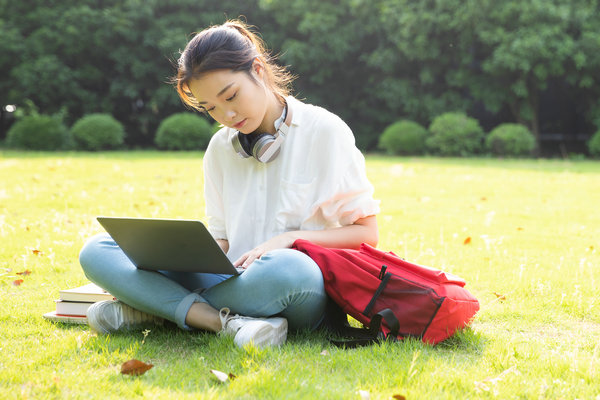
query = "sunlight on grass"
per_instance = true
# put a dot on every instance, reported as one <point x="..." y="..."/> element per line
<point x="523" y="233"/>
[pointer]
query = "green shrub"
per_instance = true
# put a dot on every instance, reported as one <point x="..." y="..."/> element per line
<point x="39" y="132"/>
<point x="216" y="127"/>
<point x="455" y="134"/>
<point x="594" y="145"/>
<point x="183" y="131"/>
<point x="98" y="132"/>
<point x="510" y="140"/>
<point x="403" y="137"/>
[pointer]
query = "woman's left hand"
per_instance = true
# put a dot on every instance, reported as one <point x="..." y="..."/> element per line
<point x="283" y="241"/>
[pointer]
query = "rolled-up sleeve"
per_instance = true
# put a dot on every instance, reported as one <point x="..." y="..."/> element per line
<point x="345" y="194"/>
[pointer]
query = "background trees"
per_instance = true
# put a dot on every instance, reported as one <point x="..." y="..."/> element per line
<point x="373" y="62"/>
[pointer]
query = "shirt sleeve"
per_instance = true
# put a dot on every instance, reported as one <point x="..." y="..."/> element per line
<point x="213" y="189"/>
<point x="344" y="193"/>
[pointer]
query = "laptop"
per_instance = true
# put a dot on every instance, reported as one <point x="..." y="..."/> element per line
<point x="168" y="244"/>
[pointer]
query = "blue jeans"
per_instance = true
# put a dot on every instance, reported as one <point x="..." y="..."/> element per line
<point x="282" y="282"/>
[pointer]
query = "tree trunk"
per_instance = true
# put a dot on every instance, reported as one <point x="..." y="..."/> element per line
<point x="534" y="104"/>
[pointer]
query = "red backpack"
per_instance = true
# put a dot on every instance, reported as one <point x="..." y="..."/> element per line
<point x="391" y="296"/>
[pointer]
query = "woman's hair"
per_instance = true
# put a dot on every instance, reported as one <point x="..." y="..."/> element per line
<point x="230" y="46"/>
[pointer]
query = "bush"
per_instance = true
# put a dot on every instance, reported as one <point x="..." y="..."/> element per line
<point x="183" y="131"/>
<point x="594" y="145"/>
<point x="39" y="132"/>
<point x="403" y="137"/>
<point x="455" y="134"/>
<point x="510" y="140"/>
<point x="216" y="127"/>
<point x="98" y="132"/>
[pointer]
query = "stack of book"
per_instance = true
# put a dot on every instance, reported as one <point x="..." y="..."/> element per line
<point x="73" y="303"/>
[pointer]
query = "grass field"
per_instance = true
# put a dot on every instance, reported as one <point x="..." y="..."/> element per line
<point x="525" y="234"/>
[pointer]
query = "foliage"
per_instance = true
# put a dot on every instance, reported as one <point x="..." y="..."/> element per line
<point x="594" y="145"/>
<point x="215" y="127"/>
<point x="39" y="132"/>
<point x="403" y="137"/>
<point x="455" y="134"/>
<point x="184" y="131"/>
<point x="98" y="132"/>
<point x="510" y="140"/>
<point x="108" y="57"/>
<point x="497" y="61"/>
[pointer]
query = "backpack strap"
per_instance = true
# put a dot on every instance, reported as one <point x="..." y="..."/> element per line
<point x="358" y="337"/>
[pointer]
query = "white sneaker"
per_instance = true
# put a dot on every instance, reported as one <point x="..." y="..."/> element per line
<point x="111" y="315"/>
<point x="259" y="331"/>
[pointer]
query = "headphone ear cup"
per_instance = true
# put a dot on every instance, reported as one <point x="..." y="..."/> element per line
<point x="241" y="144"/>
<point x="253" y="145"/>
<point x="262" y="144"/>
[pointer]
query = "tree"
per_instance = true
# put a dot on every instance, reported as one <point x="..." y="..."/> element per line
<point x="372" y="62"/>
<point x="527" y="44"/>
<point x="113" y="57"/>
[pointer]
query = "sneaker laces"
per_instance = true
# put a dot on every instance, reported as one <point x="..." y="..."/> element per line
<point x="225" y="319"/>
<point x="230" y="324"/>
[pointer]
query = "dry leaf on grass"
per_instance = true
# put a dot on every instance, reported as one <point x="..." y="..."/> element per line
<point x="135" y="367"/>
<point x="26" y="272"/>
<point x="17" y="282"/>
<point x="489" y="383"/>
<point x="364" y="395"/>
<point x="500" y="296"/>
<point x="222" y="376"/>
<point x="467" y="240"/>
<point x="399" y="397"/>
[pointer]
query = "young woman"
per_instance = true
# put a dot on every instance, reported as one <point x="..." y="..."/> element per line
<point x="278" y="170"/>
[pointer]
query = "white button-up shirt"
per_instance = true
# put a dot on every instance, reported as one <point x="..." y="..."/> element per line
<point x="317" y="181"/>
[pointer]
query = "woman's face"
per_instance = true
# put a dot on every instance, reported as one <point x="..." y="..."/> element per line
<point x="233" y="99"/>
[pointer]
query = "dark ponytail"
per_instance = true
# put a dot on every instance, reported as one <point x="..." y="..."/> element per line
<point x="231" y="46"/>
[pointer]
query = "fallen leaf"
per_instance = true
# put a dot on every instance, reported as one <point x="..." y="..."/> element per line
<point x="135" y="367"/>
<point x="26" y="272"/>
<point x="399" y="397"/>
<point x="221" y="376"/>
<point x="36" y="252"/>
<point x="490" y="382"/>
<point x="467" y="240"/>
<point x="519" y="228"/>
<point x="17" y="282"/>
<point x="484" y="198"/>
<point x="500" y="297"/>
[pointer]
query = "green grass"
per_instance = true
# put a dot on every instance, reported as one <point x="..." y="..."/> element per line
<point x="534" y="227"/>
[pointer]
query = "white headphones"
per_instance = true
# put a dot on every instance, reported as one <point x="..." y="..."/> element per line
<point x="262" y="146"/>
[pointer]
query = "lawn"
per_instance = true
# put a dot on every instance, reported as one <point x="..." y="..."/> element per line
<point x="525" y="234"/>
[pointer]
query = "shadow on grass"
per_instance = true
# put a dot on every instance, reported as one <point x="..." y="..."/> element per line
<point x="182" y="360"/>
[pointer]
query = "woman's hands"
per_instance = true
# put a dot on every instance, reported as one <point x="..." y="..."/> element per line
<point x="363" y="230"/>
<point x="283" y="241"/>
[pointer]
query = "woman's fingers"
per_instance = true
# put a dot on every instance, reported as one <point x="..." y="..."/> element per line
<point x="248" y="258"/>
